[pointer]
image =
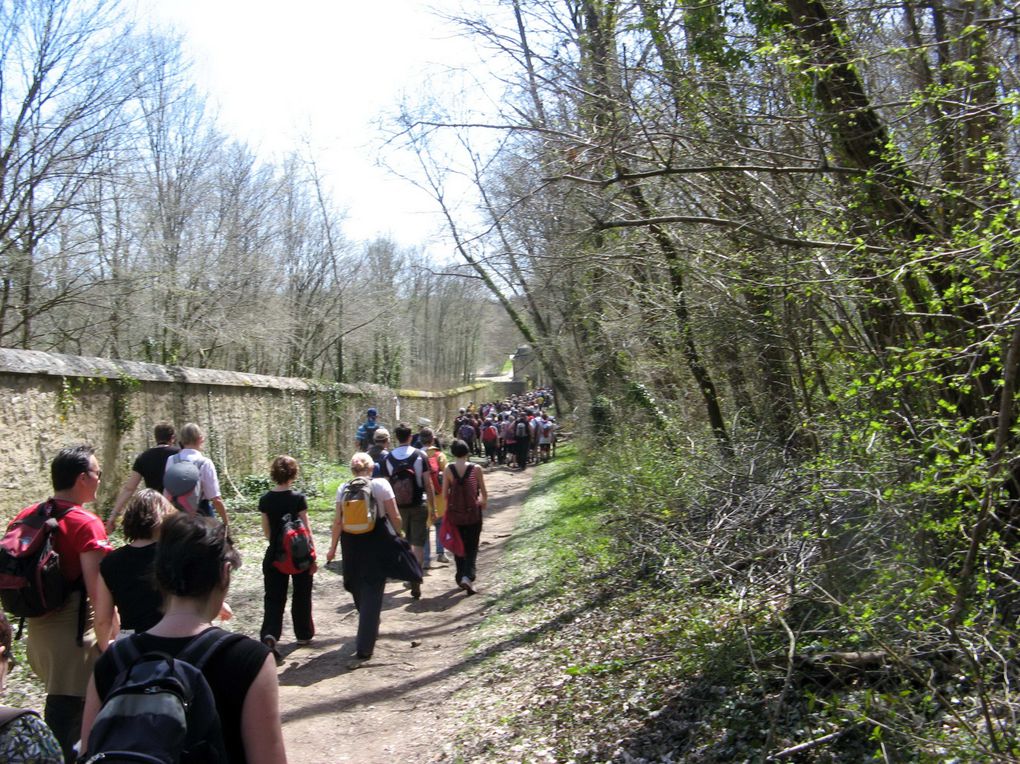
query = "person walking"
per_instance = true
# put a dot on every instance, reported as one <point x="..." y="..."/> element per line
<point x="466" y="499"/>
<point x="363" y="438"/>
<point x="379" y="450"/>
<point x="522" y="439"/>
<point x="192" y="442"/>
<point x="490" y="440"/>
<point x="193" y="565"/>
<point x="364" y="554"/>
<point x="275" y="505"/>
<point x="437" y="467"/>
<point x="148" y="467"/>
<point x="407" y="470"/>
<point x="126" y="573"/>
<point x="62" y="644"/>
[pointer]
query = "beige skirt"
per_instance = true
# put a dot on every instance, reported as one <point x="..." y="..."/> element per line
<point x="53" y="652"/>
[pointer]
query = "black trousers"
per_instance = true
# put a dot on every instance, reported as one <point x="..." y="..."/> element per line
<point x="471" y="536"/>
<point x="62" y="715"/>
<point x="368" y="599"/>
<point x="274" y="602"/>
<point x="523" y="450"/>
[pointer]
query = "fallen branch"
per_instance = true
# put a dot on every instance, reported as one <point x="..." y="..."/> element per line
<point x="806" y="746"/>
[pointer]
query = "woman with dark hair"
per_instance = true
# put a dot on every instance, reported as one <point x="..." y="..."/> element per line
<point x="24" y="737"/>
<point x="465" y="495"/>
<point x="194" y="560"/>
<point x="126" y="573"/>
<point x="275" y="505"/>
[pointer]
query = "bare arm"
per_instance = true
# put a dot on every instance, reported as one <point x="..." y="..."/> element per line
<point x="447" y="482"/>
<point x="221" y="510"/>
<point x="484" y="501"/>
<point x="126" y="492"/>
<point x="92" y="706"/>
<point x="261" y="732"/>
<point x="338" y="526"/>
<point x="265" y="525"/>
<point x="104" y="603"/>
<point x="103" y="611"/>
<point x="430" y="491"/>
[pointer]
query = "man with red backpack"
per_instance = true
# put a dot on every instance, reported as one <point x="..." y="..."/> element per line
<point x="64" y="643"/>
<point x="490" y="440"/>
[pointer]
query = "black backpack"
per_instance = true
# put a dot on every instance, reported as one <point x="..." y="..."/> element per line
<point x="31" y="583"/>
<point x="403" y="479"/>
<point x="160" y="708"/>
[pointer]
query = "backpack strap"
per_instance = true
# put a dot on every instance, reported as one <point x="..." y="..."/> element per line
<point x="201" y="648"/>
<point x="461" y="479"/>
<point x="8" y="715"/>
<point x="124" y="652"/>
<point x="49" y="510"/>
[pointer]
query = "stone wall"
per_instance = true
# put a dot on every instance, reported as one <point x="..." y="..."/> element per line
<point x="48" y="401"/>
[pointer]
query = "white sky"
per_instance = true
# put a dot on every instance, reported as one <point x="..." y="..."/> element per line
<point x="322" y="70"/>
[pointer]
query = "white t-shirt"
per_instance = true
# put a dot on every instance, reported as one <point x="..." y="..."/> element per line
<point x="207" y="476"/>
<point x="382" y="492"/>
<point x="403" y="452"/>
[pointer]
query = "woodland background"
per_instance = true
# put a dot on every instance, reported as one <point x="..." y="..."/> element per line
<point x="766" y="251"/>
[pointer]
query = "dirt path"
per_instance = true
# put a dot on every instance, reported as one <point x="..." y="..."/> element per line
<point x="392" y="705"/>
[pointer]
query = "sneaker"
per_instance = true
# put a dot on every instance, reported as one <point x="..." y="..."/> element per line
<point x="467" y="585"/>
<point x="358" y="661"/>
<point x="304" y="641"/>
<point x="416" y="591"/>
<point x="443" y="558"/>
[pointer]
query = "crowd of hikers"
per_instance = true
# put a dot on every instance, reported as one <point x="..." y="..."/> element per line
<point x="123" y="639"/>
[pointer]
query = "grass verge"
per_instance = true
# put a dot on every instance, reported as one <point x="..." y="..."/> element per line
<point x="586" y="659"/>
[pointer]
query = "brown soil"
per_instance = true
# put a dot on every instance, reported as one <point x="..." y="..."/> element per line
<point x="396" y="705"/>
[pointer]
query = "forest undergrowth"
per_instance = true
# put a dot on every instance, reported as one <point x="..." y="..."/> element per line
<point x="686" y="610"/>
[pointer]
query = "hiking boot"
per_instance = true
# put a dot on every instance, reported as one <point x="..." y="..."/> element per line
<point x="443" y="558"/>
<point x="416" y="591"/>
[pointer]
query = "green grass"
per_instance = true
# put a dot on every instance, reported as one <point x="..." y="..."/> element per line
<point x="606" y="651"/>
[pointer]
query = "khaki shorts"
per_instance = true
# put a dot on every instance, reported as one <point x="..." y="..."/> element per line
<point x="54" y="654"/>
<point x="415" y="521"/>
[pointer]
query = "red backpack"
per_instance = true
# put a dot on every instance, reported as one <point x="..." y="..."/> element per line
<point x="31" y="583"/>
<point x="295" y="553"/>
<point x="435" y="472"/>
<point x="462" y="505"/>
